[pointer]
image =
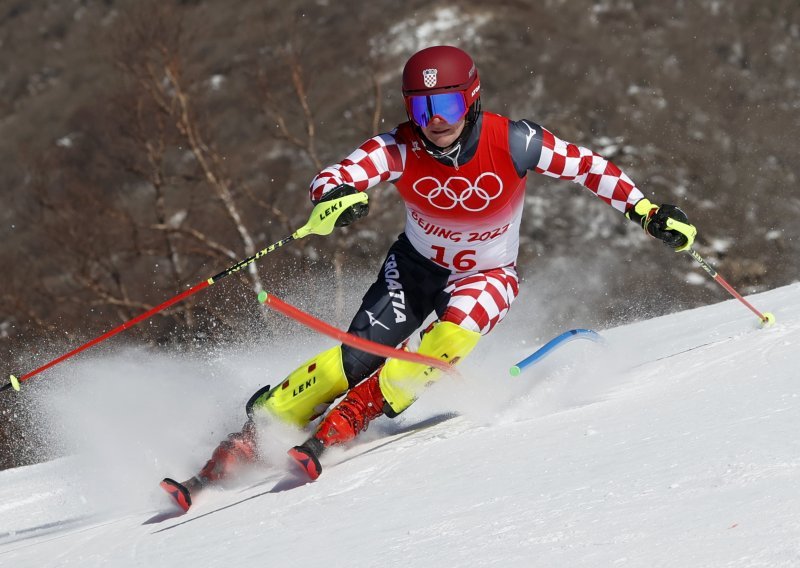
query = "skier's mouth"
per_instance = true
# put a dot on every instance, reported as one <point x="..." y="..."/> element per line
<point x="440" y="131"/>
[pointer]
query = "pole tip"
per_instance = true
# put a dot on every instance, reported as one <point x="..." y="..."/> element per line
<point x="262" y="296"/>
<point x="768" y="319"/>
<point x="14" y="383"/>
<point x="515" y="371"/>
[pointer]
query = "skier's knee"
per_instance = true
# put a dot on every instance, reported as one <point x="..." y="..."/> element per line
<point x="358" y="365"/>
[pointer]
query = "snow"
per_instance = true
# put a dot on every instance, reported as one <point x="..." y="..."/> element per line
<point x="673" y="445"/>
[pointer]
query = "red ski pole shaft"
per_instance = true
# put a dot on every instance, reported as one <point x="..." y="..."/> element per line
<point x="15" y="381"/>
<point x="765" y="317"/>
<point x="130" y="323"/>
<point x="321" y="222"/>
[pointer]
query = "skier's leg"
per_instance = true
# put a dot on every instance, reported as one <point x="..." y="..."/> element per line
<point x="237" y="449"/>
<point x="401" y="381"/>
<point x="351" y="415"/>
<point x="388" y="391"/>
<point x="469" y="308"/>
<point x="394" y="307"/>
<point x="307" y="391"/>
<point x="304" y="394"/>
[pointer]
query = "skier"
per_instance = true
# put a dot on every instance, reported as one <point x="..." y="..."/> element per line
<point x="462" y="175"/>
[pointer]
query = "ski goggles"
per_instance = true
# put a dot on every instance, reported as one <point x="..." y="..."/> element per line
<point x="450" y="107"/>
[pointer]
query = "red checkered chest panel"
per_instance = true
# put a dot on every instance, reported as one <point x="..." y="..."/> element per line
<point x="465" y="218"/>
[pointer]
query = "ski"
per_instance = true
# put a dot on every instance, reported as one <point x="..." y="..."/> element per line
<point x="309" y="464"/>
<point x="306" y="461"/>
<point x="179" y="493"/>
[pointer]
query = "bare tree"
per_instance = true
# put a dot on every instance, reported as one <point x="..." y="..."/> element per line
<point x="160" y="76"/>
<point x="306" y="143"/>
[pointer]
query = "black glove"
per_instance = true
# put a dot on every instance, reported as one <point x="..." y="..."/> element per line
<point x="655" y="221"/>
<point x="352" y="213"/>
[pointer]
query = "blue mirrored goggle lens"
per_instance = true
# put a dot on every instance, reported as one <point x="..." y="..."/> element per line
<point x="451" y="107"/>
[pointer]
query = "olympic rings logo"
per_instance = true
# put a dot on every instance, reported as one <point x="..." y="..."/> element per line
<point x="473" y="197"/>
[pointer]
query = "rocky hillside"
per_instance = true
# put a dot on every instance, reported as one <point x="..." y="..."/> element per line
<point x="146" y="145"/>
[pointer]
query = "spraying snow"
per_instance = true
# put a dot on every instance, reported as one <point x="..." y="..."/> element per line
<point x="674" y="445"/>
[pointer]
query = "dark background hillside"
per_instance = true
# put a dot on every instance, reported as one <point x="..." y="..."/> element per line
<point x="146" y="145"/>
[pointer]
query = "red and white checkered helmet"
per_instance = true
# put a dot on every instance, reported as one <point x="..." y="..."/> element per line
<point x="441" y="69"/>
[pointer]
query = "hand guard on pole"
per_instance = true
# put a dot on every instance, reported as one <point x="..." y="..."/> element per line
<point x="353" y="212"/>
<point x="666" y="223"/>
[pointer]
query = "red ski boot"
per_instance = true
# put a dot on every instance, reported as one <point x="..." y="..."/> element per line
<point x="237" y="449"/>
<point x="352" y="415"/>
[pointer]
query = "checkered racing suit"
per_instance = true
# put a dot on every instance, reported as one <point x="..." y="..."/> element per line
<point x="463" y="219"/>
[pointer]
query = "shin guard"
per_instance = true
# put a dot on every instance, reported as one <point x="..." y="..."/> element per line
<point x="308" y="391"/>
<point x="401" y="381"/>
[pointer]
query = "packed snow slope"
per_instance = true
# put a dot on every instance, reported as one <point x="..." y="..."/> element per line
<point x="676" y="444"/>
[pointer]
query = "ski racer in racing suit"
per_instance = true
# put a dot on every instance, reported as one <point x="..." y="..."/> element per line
<point x="462" y="174"/>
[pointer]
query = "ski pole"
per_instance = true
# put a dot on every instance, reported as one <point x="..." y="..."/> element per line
<point x="321" y="222"/>
<point x="767" y="318"/>
<point x="348" y="338"/>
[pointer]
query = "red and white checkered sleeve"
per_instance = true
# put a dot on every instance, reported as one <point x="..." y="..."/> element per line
<point x="381" y="158"/>
<point x="568" y="161"/>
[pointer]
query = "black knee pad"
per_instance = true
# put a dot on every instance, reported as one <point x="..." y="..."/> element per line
<point x="358" y="365"/>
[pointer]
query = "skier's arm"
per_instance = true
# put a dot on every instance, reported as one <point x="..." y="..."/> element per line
<point x="378" y="159"/>
<point x="537" y="149"/>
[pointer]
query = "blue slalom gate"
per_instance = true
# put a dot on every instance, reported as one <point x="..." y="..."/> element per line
<point x="551" y="345"/>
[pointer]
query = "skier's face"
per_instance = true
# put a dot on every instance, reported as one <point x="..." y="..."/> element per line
<point x="441" y="133"/>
